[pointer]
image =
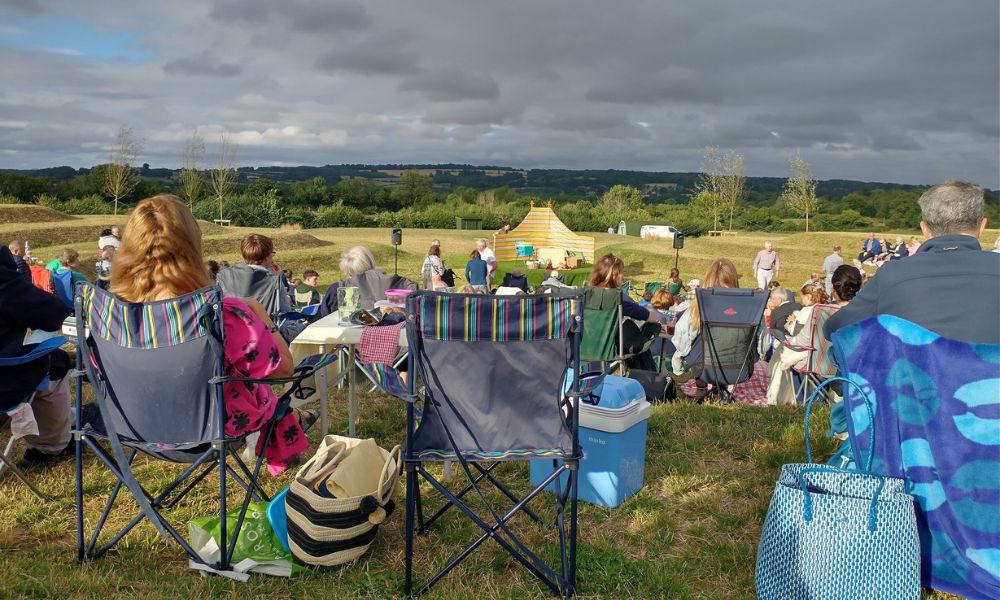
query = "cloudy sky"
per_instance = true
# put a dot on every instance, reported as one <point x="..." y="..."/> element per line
<point x="890" y="90"/>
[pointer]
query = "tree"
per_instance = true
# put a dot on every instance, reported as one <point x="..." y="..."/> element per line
<point x="414" y="189"/>
<point x="620" y="200"/>
<point x="119" y="178"/>
<point x="312" y="192"/>
<point x="223" y="177"/>
<point x="721" y="186"/>
<point x="800" y="190"/>
<point x="708" y="202"/>
<point x="189" y="177"/>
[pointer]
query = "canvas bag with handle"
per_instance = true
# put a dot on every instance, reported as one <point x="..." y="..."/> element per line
<point x="326" y="531"/>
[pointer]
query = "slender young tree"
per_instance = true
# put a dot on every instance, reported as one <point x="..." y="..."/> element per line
<point x="223" y="177"/>
<point x="119" y="178"/>
<point x="190" y="178"/>
<point x="800" y="190"/>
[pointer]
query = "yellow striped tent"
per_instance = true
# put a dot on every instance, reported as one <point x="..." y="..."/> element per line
<point x="543" y="229"/>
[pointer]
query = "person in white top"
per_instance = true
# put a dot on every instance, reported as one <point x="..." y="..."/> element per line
<point x="487" y="254"/>
<point x="108" y="238"/>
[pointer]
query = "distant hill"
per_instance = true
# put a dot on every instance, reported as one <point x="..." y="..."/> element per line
<point x="657" y="186"/>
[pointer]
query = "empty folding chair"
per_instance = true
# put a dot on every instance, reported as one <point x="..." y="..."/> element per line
<point x="516" y="409"/>
<point x="731" y="318"/>
<point x="157" y="373"/>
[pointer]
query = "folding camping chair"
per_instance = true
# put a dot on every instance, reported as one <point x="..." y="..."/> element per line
<point x="934" y="423"/>
<point x="44" y="348"/>
<point x="819" y="364"/>
<point x="727" y="347"/>
<point x="518" y="409"/>
<point x="603" y="335"/>
<point x="157" y="373"/>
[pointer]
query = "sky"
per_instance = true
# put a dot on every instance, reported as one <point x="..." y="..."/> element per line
<point x="903" y="91"/>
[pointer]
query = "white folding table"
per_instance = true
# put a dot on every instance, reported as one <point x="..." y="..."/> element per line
<point x="319" y="337"/>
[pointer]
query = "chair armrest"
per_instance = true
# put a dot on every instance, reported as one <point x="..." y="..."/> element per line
<point x="782" y="338"/>
<point x="306" y="367"/>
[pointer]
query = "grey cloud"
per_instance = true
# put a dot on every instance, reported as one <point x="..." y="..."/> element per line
<point x="27" y="7"/>
<point x="377" y="55"/>
<point x="202" y="64"/>
<point x="473" y="112"/>
<point x="316" y="16"/>
<point x="452" y="85"/>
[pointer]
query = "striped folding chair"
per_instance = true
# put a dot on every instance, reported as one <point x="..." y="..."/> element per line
<point x="157" y="373"/>
<point x="517" y="407"/>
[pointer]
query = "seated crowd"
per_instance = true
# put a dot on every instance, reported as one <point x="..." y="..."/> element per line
<point x="157" y="255"/>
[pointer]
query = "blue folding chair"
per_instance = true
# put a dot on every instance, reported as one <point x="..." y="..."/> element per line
<point x="157" y="373"/>
<point x="40" y="350"/>
<point x="517" y="409"/>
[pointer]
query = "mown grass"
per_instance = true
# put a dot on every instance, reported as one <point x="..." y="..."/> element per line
<point x="691" y="532"/>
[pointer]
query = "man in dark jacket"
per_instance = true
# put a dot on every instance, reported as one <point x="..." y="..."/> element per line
<point x="17" y="251"/>
<point x="23" y="306"/>
<point x="950" y="286"/>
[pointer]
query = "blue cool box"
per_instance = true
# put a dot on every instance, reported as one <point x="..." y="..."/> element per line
<point x="613" y="440"/>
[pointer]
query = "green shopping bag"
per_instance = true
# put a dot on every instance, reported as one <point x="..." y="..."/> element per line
<point x="257" y="548"/>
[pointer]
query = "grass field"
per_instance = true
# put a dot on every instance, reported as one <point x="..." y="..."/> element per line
<point x="690" y="533"/>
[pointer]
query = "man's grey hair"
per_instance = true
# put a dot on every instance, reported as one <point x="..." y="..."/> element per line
<point x="952" y="207"/>
<point x="779" y="293"/>
<point x="14" y="246"/>
<point x="481" y="242"/>
<point x="356" y="260"/>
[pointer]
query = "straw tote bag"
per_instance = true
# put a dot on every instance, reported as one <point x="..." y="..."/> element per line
<point x="326" y="531"/>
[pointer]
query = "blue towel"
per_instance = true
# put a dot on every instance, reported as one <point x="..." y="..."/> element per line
<point x="936" y="424"/>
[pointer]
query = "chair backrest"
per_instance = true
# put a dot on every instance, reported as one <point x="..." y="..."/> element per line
<point x="730" y="321"/>
<point x="372" y="285"/>
<point x="244" y="281"/>
<point x="820" y="361"/>
<point x="935" y="424"/>
<point x="62" y="286"/>
<point x="513" y="406"/>
<point x="152" y="364"/>
<point x="41" y="277"/>
<point x="602" y="323"/>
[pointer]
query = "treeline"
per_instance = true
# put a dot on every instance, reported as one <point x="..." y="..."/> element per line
<point x="414" y="201"/>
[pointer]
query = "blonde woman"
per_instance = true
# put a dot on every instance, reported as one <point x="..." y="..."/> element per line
<point x="159" y="259"/>
<point x="722" y="274"/>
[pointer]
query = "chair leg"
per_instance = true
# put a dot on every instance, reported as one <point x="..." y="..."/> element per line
<point x="231" y="550"/>
<point x="411" y="508"/>
<point x="6" y="452"/>
<point x="24" y="479"/>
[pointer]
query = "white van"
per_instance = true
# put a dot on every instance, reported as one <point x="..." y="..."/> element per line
<point x="657" y="232"/>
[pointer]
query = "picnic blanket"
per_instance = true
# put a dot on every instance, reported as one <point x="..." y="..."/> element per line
<point x="380" y="343"/>
<point x="752" y="391"/>
<point x="936" y="424"/>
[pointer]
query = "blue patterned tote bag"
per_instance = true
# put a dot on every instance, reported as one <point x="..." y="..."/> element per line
<point x="834" y="533"/>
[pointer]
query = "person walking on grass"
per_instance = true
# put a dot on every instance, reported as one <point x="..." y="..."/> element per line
<point x="830" y="264"/>
<point x="766" y="265"/>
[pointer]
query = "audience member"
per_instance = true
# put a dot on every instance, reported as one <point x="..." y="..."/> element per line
<point x="357" y="264"/>
<point x="213" y="268"/>
<point x="476" y="270"/>
<point x="870" y="248"/>
<point x="830" y="264"/>
<point x="17" y="254"/>
<point x="766" y="265"/>
<point x="486" y="253"/>
<point x="108" y="238"/>
<point x="914" y="245"/>
<point x="103" y="266"/>
<point x="306" y="293"/>
<point x="434" y="263"/>
<point x="259" y="277"/>
<point x="814" y="279"/>
<point x="996" y="245"/>
<point x="722" y="273"/>
<point x="69" y="263"/>
<point x="609" y="273"/>
<point x="160" y="258"/>
<point x="23" y="306"/>
<point x="950" y="267"/>
<point x="847" y="281"/>
<point x="674" y="283"/>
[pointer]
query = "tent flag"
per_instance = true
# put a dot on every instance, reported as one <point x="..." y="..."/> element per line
<point x="542" y="228"/>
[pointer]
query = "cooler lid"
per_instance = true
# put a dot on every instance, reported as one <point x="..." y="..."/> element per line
<point x="618" y="392"/>
<point x="614" y="421"/>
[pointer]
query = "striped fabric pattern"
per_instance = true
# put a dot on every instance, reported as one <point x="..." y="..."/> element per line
<point x="494" y="318"/>
<point x="387" y="378"/>
<point x="149" y="325"/>
<point x="543" y="229"/>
